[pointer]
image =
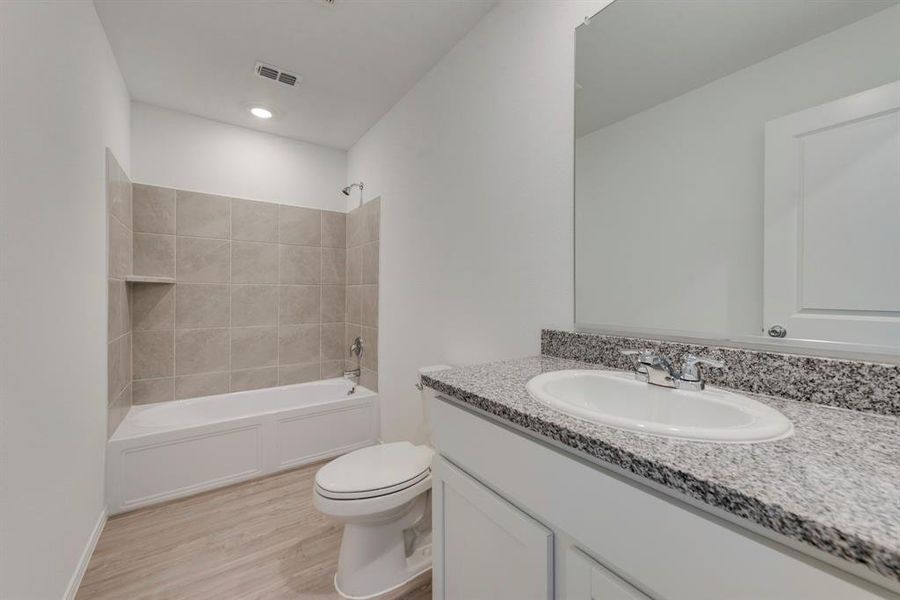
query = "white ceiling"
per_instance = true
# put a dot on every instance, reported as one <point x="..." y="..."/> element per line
<point x="357" y="57"/>
<point x="636" y="54"/>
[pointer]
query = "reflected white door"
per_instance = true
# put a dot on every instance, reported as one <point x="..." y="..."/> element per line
<point x="832" y="220"/>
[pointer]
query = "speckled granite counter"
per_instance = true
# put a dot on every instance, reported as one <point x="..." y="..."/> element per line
<point x="834" y="485"/>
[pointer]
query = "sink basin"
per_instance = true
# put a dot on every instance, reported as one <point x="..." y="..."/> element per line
<point x="619" y="400"/>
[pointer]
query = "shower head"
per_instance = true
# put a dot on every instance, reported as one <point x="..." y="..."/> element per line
<point x="346" y="191"/>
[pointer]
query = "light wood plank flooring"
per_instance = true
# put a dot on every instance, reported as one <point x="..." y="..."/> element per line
<point x="261" y="540"/>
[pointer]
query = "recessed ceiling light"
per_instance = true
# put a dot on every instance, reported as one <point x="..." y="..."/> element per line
<point x="260" y="112"/>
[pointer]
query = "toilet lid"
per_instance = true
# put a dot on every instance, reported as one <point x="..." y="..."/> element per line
<point x="375" y="468"/>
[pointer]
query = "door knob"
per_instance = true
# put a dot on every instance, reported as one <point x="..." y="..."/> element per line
<point x="777" y="331"/>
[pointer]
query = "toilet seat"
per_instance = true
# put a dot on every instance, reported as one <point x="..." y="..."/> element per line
<point x="374" y="471"/>
<point x="363" y="494"/>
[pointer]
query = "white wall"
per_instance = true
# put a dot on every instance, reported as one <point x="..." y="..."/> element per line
<point x="670" y="200"/>
<point x="62" y="101"/>
<point x="178" y="150"/>
<point x="474" y="167"/>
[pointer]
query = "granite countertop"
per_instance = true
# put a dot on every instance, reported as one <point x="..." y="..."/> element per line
<point x="834" y="484"/>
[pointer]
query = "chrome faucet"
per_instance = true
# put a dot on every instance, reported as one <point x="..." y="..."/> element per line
<point x="690" y="377"/>
<point x="657" y="370"/>
<point x="356" y="348"/>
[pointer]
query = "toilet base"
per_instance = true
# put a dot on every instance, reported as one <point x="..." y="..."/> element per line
<point x="377" y="557"/>
<point x="382" y="592"/>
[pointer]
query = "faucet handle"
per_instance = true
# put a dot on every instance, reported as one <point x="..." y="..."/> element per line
<point x="691" y="369"/>
<point x="357" y="347"/>
<point x="637" y="357"/>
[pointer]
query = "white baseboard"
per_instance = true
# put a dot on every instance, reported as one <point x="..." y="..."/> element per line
<point x="86" y="554"/>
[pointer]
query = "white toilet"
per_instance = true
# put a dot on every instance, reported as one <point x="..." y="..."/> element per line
<point x="382" y="495"/>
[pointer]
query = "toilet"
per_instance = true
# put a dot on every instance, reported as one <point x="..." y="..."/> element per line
<point x="382" y="496"/>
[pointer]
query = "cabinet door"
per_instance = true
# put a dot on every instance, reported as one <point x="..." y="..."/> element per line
<point x="484" y="547"/>
<point x="587" y="579"/>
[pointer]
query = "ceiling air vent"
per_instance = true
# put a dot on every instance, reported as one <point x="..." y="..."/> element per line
<point x="276" y="74"/>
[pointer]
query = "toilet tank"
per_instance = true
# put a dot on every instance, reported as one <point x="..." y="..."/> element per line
<point x="423" y="435"/>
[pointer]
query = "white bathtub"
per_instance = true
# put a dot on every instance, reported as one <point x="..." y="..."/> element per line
<point x="173" y="449"/>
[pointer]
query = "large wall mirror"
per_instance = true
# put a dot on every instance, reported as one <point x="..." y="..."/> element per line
<point x="737" y="172"/>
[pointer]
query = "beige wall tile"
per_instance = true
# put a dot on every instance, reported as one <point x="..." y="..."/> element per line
<point x="116" y="410"/>
<point x="118" y="316"/>
<point x="370" y="355"/>
<point x="300" y="265"/>
<point x="203" y="261"/>
<point x="205" y="384"/>
<point x="254" y="262"/>
<point x="254" y="221"/>
<point x="148" y="391"/>
<point x="154" y="254"/>
<point x="354" y="265"/>
<point x="369" y="272"/>
<point x="298" y="344"/>
<point x="351" y="332"/>
<point x="118" y="191"/>
<point x="334" y="265"/>
<point x="201" y="351"/>
<point x="253" y="347"/>
<point x="153" y="306"/>
<point x="333" y="341"/>
<point x="120" y="251"/>
<point x="153" y="354"/>
<point x="298" y="304"/>
<point x="154" y="209"/>
<point x="253" y="379"/>
<point x="202" y="215"/>
<point x="334" y="303"/>
<point x="240" y="307"/>
<point x="332" y="368"/>
<point x="369" y="305"/>
<point x="354" y="304"/>
<point x="371" y="221"/>
<point x="199" y="305"/>
<point x="299" y="225"/>
<point x="369" y="379"/>
<point x="290" y="374"/>
<point x="334" y="229"/>
<point x="354" y="227"/>
<point x="254" y="305"/>
<point x="118" y="362"/>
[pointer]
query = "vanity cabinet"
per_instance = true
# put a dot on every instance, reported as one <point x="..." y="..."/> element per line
<point x="489" y="548"/>
<point x="586" y="579"/>
<point x="517" y="519"/>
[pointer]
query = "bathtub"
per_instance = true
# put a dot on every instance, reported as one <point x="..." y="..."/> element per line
<point x="174" y="449"/>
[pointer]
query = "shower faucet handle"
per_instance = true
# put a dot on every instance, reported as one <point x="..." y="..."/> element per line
<point x="356" y="347"/>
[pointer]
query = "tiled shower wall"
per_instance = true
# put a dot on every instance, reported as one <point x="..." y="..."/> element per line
<point x="363" y="233"/>
<point x="259" y="295"/>
<point x="119" y="265"/>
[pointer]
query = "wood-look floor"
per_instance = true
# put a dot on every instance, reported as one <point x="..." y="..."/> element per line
<point x="261" y="540"/>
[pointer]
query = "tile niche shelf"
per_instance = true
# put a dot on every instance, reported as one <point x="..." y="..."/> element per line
<point x="148" y="279"/>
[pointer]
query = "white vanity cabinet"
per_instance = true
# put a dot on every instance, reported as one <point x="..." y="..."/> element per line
<point x="517" y="519"/>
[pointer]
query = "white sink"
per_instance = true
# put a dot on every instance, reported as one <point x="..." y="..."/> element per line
<point x="618" y="400"/>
